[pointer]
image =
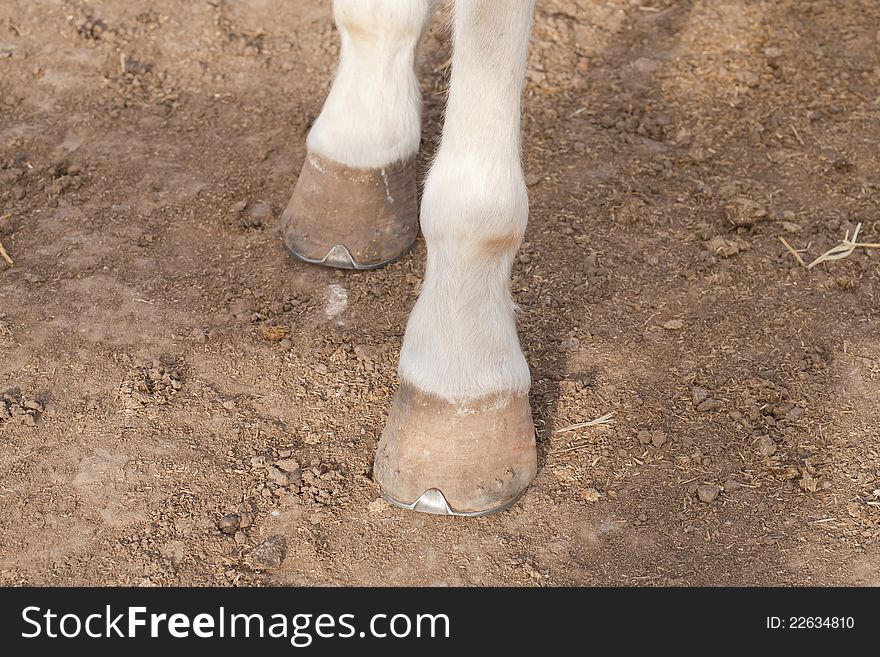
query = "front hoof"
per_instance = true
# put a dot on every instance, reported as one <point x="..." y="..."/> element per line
<point x="467" y="459"/>
<point x="350" y="217"/>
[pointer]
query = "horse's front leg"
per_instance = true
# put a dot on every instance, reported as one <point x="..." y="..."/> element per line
<point x="460" y="437"/>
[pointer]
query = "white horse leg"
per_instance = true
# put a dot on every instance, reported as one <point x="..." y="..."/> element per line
<point x="355" y="201"/>
<point x="461" y="422"/>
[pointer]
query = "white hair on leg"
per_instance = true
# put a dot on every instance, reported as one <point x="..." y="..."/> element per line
<point x="461" y="342"/>
<point x="372" y="115"/>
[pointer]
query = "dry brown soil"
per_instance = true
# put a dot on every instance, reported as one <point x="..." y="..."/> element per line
<point x="163" y="362"/>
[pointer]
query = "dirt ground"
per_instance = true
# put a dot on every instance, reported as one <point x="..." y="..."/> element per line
<point x="165" y="363"/>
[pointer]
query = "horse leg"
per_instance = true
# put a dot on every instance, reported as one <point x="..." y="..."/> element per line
<point x="460" y="438"/>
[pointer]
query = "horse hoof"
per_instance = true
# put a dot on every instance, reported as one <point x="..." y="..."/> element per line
<point x="468" y="459"/>
<point x="349" y="217"/>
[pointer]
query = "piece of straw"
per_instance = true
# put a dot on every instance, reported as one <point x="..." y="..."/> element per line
<point x="5" y="255"/>
<point x="604" y="419"/>
<point x="793" y="252"/>
<point x="845" y="248"/>
<point x="842" y="250"/>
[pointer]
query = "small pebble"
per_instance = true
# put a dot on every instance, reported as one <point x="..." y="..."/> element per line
<point x="276" y="476"/>
<point x="590" y="495"/>
<point x="699" y="395"/>
<point x="731" y="485"/>
<point x="237" y="207"/>
<point x="795" y="414"/>
<point x="229" y="523"/>
<point x="766" y="446"/>
<point x="749" y="78"/>
<point x="378" y="506"/>
<point x="708" y="493"/>
<point x="258" y="212"/>
<point x="658" y="438"/>
<point x="287" y="465"/>
<point x="647" y="65"/>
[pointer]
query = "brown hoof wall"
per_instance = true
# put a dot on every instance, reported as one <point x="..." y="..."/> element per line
<point x="450" y="459"/>
<point x="349" y="217"/>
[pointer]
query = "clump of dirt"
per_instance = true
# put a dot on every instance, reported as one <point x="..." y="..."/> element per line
<point x="154" y="384"/>
<point x="89" y="27"/>
<point x="319" y="485"/>
<point x="16" y="408"/>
